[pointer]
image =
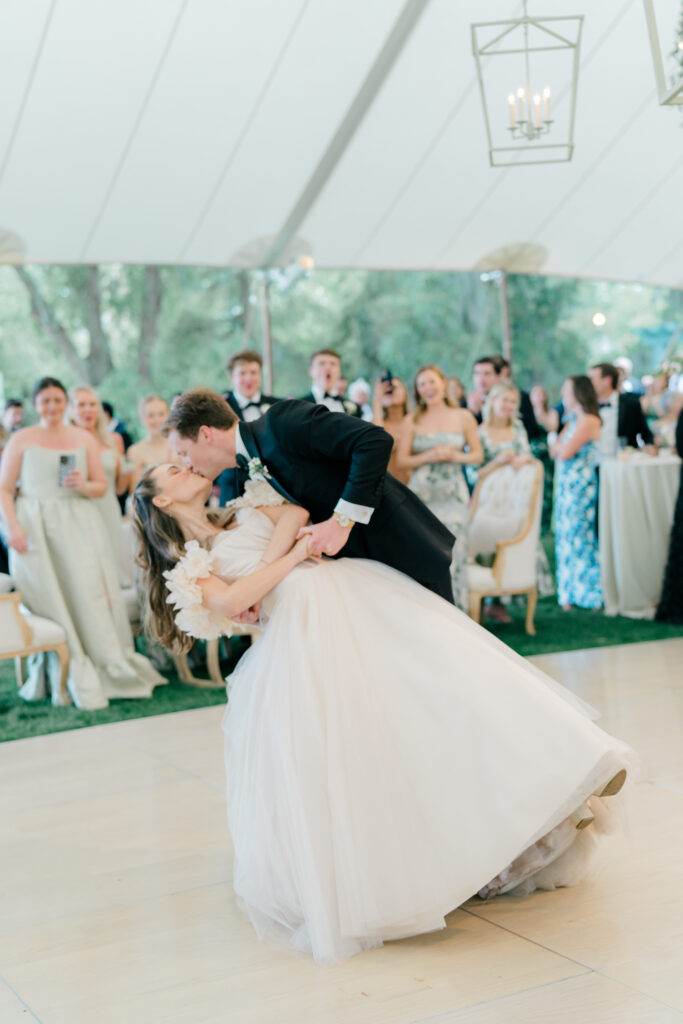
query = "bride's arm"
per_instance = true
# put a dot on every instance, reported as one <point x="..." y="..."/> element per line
<point x="288" y="520"/>
<point x="230" y="599"/>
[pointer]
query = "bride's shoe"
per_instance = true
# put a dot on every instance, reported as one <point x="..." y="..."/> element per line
<point x="615" y="784"/>
<point x="582" y="817"/>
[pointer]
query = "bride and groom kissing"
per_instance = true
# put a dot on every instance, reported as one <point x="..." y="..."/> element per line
<point x="386" y="757"/>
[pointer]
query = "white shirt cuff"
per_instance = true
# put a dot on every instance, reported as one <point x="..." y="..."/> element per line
<point x="359" y="513"/>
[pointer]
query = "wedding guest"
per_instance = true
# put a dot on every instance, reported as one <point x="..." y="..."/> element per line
<point x="327" y="388"/>
<point x="62" y="561"/>
<point x="627" y="382"/>
<point x="12" y="414"/>
<point x="503" y="438"/>
<point x="435" y="442"/>
<point x="526" y="410"/>
<point x="359" y="393"/>
<point x="116" y="427"/>
<point x="621" y="414"/>
<point x="154" y="447"/>
<point x="546" y="416"/>
<point x="85" y="411"/>
<point x="455" y="389"/>
<point x="670" y="608"/>
<point x="389" y="408"/>
<point x="484" y="376"/>
<point x="248" y="402"/>
<point x="577" y="453"/>
<point x="504" y="442"/>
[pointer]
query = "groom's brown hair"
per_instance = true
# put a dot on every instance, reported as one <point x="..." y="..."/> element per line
<point x="200" y="407"/>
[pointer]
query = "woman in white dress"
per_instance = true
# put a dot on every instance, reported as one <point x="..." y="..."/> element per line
<point x="85" y="411"/>
<point x="62" y="560"/>
<point x="372" y="792"/>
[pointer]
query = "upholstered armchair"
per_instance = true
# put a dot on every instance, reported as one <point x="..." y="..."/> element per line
<point x="505" y="522"/>
<point x="22" y="633"/>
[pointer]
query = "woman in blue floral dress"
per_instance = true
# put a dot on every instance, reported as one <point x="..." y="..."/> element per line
<point x="435" y="442"/>
<point x="576" y="500"/>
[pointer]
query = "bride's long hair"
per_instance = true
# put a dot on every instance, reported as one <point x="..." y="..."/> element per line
<point x="160" y="544"/>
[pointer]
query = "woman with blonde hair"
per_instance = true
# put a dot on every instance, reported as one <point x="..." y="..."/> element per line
<point x="435" y="442"/>
<point x="154" y="447"/>
<point x="503" y="438"/>
<point x="85" y="411"/>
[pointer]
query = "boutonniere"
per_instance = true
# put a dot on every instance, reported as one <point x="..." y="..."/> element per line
<point x="351" y="407"/>
<point x="257" y="471"/>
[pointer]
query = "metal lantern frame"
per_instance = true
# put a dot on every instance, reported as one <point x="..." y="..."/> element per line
<point x="668" y="95"/>
<point x="504" y="156"/>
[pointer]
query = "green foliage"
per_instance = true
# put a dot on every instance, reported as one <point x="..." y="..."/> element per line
<point x="133" y="329"/>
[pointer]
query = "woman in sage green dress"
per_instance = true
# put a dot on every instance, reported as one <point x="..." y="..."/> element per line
<point x="62" y="561"/>
<point x="435" y="442"/>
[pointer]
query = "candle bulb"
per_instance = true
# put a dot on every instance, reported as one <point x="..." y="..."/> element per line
<point x="511" y="105"/>
<point x="537" y="110"/>
<point x="546" y="103"/>
<point x="520" y="104"/>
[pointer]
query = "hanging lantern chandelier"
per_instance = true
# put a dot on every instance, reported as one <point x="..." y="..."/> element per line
<point x="665" y="28"/>
<point x="549" y="51"/>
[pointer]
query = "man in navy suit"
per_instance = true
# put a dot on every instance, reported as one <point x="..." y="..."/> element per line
<point x="247" y="402"/>
<point x="334" y="466"/>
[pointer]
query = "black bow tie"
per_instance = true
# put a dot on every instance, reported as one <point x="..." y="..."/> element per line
<point x="605" y="405"/>
<point x="251" y="405"/>
<point x="335" y="398"/>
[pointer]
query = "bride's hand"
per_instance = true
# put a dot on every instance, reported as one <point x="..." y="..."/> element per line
<point x="249" y="615"/>
<point x="300" y="549"/>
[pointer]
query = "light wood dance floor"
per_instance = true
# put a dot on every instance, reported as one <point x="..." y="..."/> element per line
<point x="116" y="904"/>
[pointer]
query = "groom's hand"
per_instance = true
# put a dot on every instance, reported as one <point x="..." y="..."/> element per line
<point x="326" y="538"/>
<point x="249" y="616"/>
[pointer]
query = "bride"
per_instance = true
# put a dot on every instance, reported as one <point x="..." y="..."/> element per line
<point x="386" y="757"/>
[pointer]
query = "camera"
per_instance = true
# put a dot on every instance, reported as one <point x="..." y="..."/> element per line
<point x="388" y="381"/>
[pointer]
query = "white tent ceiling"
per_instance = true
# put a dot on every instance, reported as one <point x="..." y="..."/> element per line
<point x="225" y="132"/>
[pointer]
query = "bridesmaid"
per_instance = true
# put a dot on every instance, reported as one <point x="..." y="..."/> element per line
<point x="85" y="411"/>
<point x="62" y="561"/>
<point x="576" y="500"/>
<point x="435" y="442"/>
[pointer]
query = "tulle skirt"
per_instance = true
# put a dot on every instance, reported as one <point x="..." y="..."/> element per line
<point x="386" y="758"/>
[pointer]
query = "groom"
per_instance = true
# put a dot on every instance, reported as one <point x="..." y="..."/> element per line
<point x="333" y="465"/>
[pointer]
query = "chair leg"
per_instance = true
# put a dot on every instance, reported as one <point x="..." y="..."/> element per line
<point x="19" y="670"/>
<point x="531" y="599"/>
<point x="213" y="663"/>
<point x="475" y="606"/>
<point x="183" y="669"/>
<point x="62" y="652"/>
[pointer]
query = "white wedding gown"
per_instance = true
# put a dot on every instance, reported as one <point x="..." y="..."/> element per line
<point x="386" y="757"/>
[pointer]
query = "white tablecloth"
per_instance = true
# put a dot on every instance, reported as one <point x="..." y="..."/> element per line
<point x="637" y="499"/>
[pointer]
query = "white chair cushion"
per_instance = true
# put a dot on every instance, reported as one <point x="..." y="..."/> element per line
<point x="502" y="508"/>
<point x="45" y="631"/>
<point x="480" y="578"/>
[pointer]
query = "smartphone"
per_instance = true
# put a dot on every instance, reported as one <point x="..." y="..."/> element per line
<point x="388" y="381"/>
<point x="66" y="464"/>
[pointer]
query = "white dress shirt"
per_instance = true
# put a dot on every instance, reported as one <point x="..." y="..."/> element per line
<point x="248" y="414"/>
<point x="609" y="414"/>
<point x="333" y="403"/>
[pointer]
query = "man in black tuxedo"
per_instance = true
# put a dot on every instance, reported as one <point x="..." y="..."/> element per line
<point x="324" y="368"/>
<point x="247" y="402"/>
<point x="334" y="466"/>
<point x="621" y="414"/>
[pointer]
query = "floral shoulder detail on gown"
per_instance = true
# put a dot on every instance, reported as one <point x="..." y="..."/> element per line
<point x="185" y="595"/>
<point x="257" y="492"/>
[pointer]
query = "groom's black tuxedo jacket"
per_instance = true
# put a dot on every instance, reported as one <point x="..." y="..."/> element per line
<point x="315" y="457"/>
<point x="228" y="482"/>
